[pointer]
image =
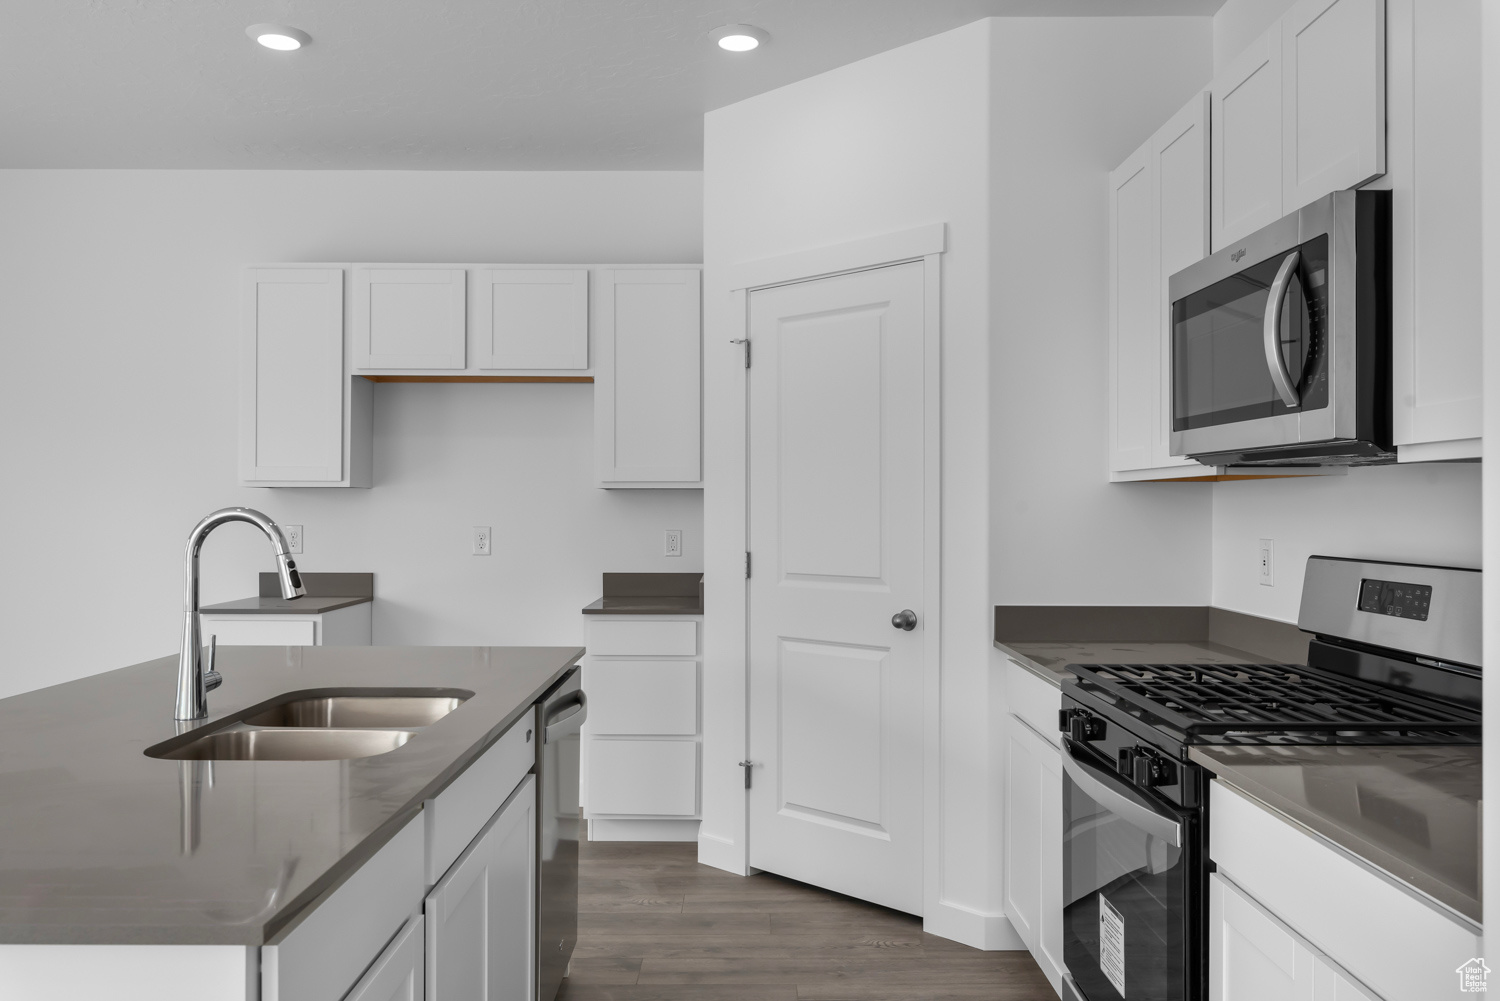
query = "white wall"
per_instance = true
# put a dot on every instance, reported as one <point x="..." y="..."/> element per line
<point x="1240" y="22"/>
<point x="895" y="141"/>
<point x="1003" y="130"/>
<point x="1084" y="93"/>
<point x="119" y="313"/>
<point x="1417" y="513"/>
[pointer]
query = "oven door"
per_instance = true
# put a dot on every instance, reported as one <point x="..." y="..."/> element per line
<point x="1130" y="887"/>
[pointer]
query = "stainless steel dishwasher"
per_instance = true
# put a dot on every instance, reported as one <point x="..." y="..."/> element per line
<point x="564" y="708"/>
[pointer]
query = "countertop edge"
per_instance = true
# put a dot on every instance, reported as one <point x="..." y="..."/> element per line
<point x="284" y="921"/>
<point x="1372" y="857"/>
<point x="597" y="608"/>
<point x="1051" y="677"/>
<point x="243" y="606"/>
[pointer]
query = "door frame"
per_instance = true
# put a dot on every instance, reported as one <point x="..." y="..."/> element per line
<point x="924" y="244"/>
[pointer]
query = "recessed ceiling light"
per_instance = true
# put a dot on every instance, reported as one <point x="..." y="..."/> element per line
<point x="278" y="36"/>
<point x="739" y="37"/>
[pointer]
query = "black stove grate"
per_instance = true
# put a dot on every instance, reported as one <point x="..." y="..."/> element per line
<point x="1258" y="698"/>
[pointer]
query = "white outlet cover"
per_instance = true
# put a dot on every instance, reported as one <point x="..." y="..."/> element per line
<point x="293" y="535"/>
<point x="1266" y="562"/>
<point x="672" y="544"/>
<point x="483" y="540"/>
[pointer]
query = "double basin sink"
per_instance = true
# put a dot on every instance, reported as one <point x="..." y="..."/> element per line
<point x="326" y="725"/>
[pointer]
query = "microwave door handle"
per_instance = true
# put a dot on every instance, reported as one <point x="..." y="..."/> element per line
<point x="1110" y="793"/>
<point x="1280" y="377"/>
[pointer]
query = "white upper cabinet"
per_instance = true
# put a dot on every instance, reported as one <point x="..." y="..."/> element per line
<point x="1434" y="103"/>
<point x="647" y="378"/>
<point x="1247" y="138"/>
<point x="408" y="318"/>
<point x="530" y="319"/>
<point x="294" y="411"/>
<point x="1333" y="100"/>
<point x="1158" y="225"/>
<point x="1299" y="113"/>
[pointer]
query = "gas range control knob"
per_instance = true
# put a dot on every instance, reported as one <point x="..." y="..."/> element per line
<point x="1150" y="769"/>
<point x="1081" y="726"/>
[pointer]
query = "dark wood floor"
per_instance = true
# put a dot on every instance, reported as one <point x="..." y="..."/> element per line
<point x="654" y="925"/>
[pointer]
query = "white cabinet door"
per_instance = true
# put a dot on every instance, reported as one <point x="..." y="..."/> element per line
<point x="1333" y="100"/>
<point x="1251" y="956"/>
<point x="1247" y="137"/>
<point x="529" y="319"/>
<point x="647" y="379"/>
<point x="1434" y="85"/>
<point x="647" y="778"/>
<point x="400" y="973"/>
<point x="1136" y="314"/>
<point x="1179" y="152"/>
<point x="1033" y="845"/>
<point x="292" y="376"/>
<point x="408" y="318"/>
<point x="1158" y="226"/>
<point x="481" y="917"/>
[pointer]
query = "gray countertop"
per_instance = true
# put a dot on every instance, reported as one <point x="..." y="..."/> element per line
<point x="93" y="846"/>
<point x="308" y="605"/>
<point x="1410" y="811"/>
<point x="645" y="605"/>
<point x="649" y="594"/>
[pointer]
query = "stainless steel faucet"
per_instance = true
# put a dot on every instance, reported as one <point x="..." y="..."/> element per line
<point x="193" y="682"/>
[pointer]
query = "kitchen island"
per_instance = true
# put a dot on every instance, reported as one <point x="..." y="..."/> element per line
<point x="106" y="846"/>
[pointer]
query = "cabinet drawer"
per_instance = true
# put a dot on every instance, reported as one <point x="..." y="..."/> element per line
<point x="1033" y="700"/>
<point x="643" y="639"/>
<point x="322" y="957"/>
<point x="258" y="630"/>
<point x="642" y="696"/>
<point x="456" y="815"/>
<point x="647" y="778"/>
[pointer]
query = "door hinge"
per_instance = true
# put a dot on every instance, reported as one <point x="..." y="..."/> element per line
<point x="745" y="341"/>
<point x="747" y="765"/>
<point x="747" y="566"/>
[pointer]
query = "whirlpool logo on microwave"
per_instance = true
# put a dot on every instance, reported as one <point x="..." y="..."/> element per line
<point x="1235" y="257"/>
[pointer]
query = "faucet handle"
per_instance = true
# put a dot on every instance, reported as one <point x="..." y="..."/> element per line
<point x="211" y="677"/>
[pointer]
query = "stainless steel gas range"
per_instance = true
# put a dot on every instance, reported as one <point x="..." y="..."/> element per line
<point x="1395" y="660"/>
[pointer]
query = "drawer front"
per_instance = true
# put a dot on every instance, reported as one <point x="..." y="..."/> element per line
<point x="643" y="778"/>
<point x="642" y="696"/>
<point x="1033" y="700"/>
<point x="322" y="957"/>
<point x="456" y="815"/>
<point x="254" y="630"/>
<point x="643" y="639"/>
<point x="1379" y="932"/>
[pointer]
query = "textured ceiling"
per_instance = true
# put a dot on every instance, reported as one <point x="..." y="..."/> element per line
<point x="428" y="84"/>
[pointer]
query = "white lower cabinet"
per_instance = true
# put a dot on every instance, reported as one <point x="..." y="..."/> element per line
<point x="350" y="626"/>
<point x="641" y="741"/>
<point x="481" y="917"/>
<point x="1033" y="819"/>
<point x="1254" y="957"/>
<point x="400" y="972"/>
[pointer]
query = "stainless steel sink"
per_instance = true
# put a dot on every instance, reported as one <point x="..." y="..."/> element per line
<point x="247" y="744"/>
<point x="358" y="711"/>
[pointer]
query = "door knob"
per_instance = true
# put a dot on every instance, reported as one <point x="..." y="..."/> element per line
<point x="905" y="619"/>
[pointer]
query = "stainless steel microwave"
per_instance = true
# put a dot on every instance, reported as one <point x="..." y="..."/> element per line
<point x="1281" y="342"/>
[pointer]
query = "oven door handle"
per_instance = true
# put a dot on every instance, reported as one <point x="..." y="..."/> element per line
<point x="1120" y="799"/>
<point x="1275" y="306"/>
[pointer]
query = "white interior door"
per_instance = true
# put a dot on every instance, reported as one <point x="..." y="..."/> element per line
<point x="836" y="536"/>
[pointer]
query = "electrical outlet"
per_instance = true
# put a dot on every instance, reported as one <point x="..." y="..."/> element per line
<point x="1267" y="563"/>
<point x="293" y="535"/>
<point x="481" y="540"/>
<point x="673" y="546"/>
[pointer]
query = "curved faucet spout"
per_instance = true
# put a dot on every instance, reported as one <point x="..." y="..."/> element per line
<point x="193" y="683"/>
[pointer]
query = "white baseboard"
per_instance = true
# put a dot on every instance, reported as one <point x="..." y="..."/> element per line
<point x="643" y="830"/>
<point x="721" y="853"/>
<point x="991" y="932"/>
